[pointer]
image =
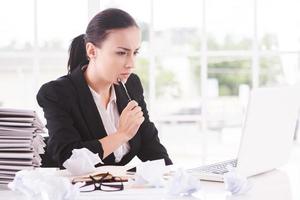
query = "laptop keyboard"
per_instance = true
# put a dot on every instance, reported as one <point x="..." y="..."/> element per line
<point x="217" y="168"/>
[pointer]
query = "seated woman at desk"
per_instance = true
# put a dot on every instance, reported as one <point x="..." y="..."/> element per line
<point x="99" y="104"/>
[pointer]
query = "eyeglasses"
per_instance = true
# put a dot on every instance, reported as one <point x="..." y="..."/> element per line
<point x="107" y="183"/>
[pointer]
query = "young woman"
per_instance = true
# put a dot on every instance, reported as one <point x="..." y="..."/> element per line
<point x="100" y="105"/>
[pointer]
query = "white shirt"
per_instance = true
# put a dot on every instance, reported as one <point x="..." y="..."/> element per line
<point x="110" y="118"/>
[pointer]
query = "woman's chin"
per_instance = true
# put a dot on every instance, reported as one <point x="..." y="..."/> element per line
<point x="124" y="78"/>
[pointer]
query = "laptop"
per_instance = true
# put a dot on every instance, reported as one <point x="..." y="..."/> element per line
<point x="267" y="135"/>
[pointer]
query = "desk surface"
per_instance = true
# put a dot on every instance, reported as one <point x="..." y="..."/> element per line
<point x="281" y="184"/>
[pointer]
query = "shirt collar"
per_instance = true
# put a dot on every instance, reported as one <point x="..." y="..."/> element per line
<point x="112" y="98"/>
<point x="113" y="95"/>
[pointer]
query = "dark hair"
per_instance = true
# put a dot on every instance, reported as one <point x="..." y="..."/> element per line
<point x="96" y="33"/>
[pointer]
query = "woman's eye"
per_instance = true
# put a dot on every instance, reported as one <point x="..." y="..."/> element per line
<point x="136" y="52"/>
<point x="121" y="53"/>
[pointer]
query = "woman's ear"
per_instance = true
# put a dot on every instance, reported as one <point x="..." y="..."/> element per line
<point x="90" y="50"/>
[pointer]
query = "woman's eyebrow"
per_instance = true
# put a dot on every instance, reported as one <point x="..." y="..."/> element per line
<point x="126" y="49"/>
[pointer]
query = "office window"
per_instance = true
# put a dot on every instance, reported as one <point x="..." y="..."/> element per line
<point x="56" y="29"/>
<point x="176" y="41"/>
<point x="227" y="79"/>
<point x="229" y="24"/>
<point x="34" y="46"/>
<point x="16" y="51"/>
<point x="229" y="73"/>
<point x="276" y="70"/>
<point x="278" y="25"/>
<point x="16" y="25"/>
<point x="279" y="42"/>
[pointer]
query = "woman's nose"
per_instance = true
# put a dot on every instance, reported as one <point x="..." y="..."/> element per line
<point x="130" y="62"/>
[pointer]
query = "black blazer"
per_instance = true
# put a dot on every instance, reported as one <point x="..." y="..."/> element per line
<point x="74" y="122"/>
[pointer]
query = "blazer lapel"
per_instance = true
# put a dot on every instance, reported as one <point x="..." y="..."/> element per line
<point x="89" y="109"/>
<point x="122" y="99"/>
<point x="87" y="104"/>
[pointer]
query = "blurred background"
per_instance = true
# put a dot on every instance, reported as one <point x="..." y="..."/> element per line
<point x="198" y="61"/>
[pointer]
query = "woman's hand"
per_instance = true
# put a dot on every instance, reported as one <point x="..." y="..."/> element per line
<point x="130" y="120"/>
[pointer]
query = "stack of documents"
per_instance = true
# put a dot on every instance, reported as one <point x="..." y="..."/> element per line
<point x="20" y="142"/>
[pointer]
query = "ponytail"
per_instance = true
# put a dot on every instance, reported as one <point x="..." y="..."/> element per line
<point x="77" y="53"/>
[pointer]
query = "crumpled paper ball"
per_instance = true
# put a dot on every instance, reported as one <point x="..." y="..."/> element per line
<point x="150" y="173"/>
<point x="82" y="161"/>
<point x="36" y="185"/>
<point x="183" y="183"/>
<point x="235" y="183"/>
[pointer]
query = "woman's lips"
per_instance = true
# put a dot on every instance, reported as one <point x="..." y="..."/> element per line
<point x="125" y="74"/>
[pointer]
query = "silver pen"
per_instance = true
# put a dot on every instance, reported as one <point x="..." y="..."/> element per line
<point x="124" y="87"/>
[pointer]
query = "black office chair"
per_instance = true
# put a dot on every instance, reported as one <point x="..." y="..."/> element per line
<point x="47" y="161"/>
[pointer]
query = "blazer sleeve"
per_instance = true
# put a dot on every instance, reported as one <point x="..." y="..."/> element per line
<point x="56" y="102"/>
<point x="151" y="148"/>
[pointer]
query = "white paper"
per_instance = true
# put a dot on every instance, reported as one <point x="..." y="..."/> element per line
<point x="35" y="184"/>
<point x="235" y="183"/>
<point x="9" y="171"/>
<point x="20" y="141"/>
<point x="150" y="173"/>
<point x="183" y="183"/>
<point x="9" y="136"/>
<point x="17" y="162"/>
<point x="82" y="161"/>
<point x="21" y="124"/>
<point x="7" y="176"/>
<point x="17" y="133"/>
<point x="16" y="155"/>
<point x="15" y="149"/>
<point x="17" y="112"/>
<point x="15" y="167"/>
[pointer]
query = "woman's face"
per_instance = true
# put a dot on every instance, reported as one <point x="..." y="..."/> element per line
<point x="115" y="59"/>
